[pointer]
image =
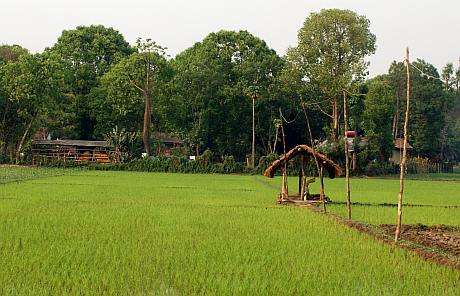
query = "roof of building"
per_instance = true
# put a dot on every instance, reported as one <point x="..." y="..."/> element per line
<point x="399" y="144"/>
<point x="332" y="169"/>
<point x="168" y="138"/>
<point x="80" y="143"/>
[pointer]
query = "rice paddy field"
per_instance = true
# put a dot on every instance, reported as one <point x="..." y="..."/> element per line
<point x="78" y="232"/>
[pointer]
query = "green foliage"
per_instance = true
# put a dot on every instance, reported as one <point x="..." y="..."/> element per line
<point x="11" y="53"/>
<point x="331" y="50"/>
<point x="121" y="102"/>
<point x="88" y="52"/>
<point x="375" y="168"/>
<point x="176" y="164"/>
<point x="30" y="93"/>
<point x="212" y="89"/>
<point x="428" y="110"/>
<point x="379" y="108"/>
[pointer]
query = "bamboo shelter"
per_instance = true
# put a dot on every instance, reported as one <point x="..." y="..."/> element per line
<point x="304" y="152"/>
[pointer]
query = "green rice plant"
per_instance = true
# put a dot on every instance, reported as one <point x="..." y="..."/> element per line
<point x="131" y="233"/>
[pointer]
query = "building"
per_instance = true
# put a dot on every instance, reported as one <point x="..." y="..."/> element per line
<point x="72" y="150"/>
<point x="398" y="150"/>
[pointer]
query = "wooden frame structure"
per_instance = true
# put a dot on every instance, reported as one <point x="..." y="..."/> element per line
<point x="303" y="152"/>
<point x="72" y="150"/>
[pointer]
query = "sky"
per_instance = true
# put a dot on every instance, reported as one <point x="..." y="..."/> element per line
<point x="429" y="28"/>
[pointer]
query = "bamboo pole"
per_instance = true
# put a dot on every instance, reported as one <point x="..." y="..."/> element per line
<point x="284" y="190"/>
<point x="253" y="155"/>
<point x="347" y="161"/>
<point x="303" y="181"/>
<point x="403" y="161"/>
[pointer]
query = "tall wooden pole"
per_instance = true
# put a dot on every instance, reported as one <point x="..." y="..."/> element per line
<point x="402" y="165"/>
<point x="285" y="190"/>
<point x="253" y="157"/>
<point x="347" y="161"/>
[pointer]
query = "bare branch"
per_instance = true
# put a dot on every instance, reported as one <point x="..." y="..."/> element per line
<point x="134" y="84"/>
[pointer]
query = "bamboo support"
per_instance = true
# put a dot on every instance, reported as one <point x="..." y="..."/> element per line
<point x="303" y="181"/>
<point x="404" y="156"/>
<point x="347" y="161"/>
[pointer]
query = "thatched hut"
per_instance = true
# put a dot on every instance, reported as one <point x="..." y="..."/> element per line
<point x="304" y="152"/>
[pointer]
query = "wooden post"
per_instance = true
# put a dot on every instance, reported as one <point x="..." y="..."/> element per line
<point x="300" y="182"/>
<point x="347" y="164"/>
<point x="403" y="161"/>
<point x="284" y="189"/>
<point x="321" y="186"/>
<point x="253" y="156"/>
<point x="284" y="192"/>
<point x="302" y="188"/>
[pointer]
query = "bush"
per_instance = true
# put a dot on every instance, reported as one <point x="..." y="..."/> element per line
<point x="379" y="169"/>
<point x="179" y="164"/>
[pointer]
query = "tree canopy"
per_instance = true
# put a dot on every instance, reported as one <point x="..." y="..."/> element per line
<point x="332" y="45"/>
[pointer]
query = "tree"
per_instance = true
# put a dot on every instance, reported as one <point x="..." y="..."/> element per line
<point x="428" y="109"/>
<point x="211" y="85"/>
<point x="330" y="53"/>
<point x="32" y="85"/>
<point x="379" y="108"/>
<point x="447" y="73"/>
<point x="8" y="54"/>
<point x="397" y="79"/>
<point x="88" y="52"/>
<point x="11" y="53"/>
<point x="134" y="80"/>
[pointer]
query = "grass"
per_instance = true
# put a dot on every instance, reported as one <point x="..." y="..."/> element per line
<point x="10" y="173"/>
<point x="426" y="202"/>
<point x="127" y="233"/>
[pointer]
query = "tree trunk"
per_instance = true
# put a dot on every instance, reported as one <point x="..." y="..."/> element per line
<point x="402" y="165"/>
<point x="276" y="140"/>
<point x="23" y="139"/>
<point x="146" y="126"/>
<point x="335" y="119"/>
<point x="347" y="162"/>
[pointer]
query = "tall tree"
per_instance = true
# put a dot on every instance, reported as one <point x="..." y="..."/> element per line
<point x="88" y="52"/>
<point x="134" y="80"/>
<point x="8" y="123"/>
<point x="332" y="45"/>
<point x="379" y="108"/>
<point x="397" y="80"/>
<point x="428" y="109"/>
<point x="447" y="73"/>
<point x="32" y="85"/>
<point x="212" y="80"/>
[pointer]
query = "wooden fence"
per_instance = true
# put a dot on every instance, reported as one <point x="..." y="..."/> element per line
<point x="420" y="168"/>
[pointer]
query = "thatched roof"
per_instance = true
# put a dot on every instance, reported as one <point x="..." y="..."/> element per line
<point x="332" y="169"/>
<point x="399" y="144"/>
<point x="168" y="138"/>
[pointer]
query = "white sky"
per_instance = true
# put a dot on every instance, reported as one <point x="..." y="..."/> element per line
<point x="429" y="28"/>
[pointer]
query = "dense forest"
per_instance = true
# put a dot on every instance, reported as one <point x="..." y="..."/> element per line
<point x="92" y="84"/>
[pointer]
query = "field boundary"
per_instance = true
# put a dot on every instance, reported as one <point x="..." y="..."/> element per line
<point x="430" y="254"/>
